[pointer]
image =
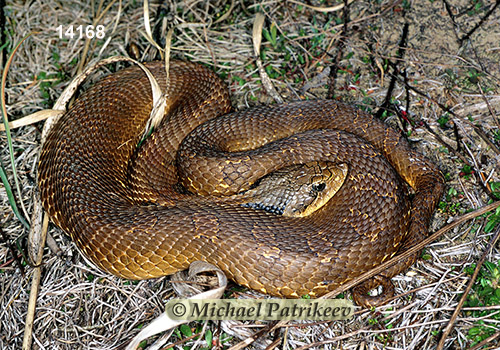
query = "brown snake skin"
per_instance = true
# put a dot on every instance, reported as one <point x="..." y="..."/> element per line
<point x="125" y="210"/>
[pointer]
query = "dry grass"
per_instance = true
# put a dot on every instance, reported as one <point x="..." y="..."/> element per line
<point x="80" y="307"/>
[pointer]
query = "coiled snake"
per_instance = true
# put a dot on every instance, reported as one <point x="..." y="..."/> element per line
<point x="133" y="213"/>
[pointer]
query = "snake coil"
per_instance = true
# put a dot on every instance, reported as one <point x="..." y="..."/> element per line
<point x="125" y="209"/>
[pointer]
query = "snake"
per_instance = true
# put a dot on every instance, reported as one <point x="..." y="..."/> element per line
<point x="143" y="208"/>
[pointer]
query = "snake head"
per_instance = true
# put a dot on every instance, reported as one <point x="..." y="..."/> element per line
<point x="297" y="190"/>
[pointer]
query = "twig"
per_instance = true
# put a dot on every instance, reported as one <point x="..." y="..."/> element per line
<point x="377" y="270"/>
<point x="476" y="128"/>
<point x="458" y="138"/>
<point x="5" y="120"/>
<point x="274" y="325"/>
<point x="490" y="108"/>
<point x="394" y="65"/>
<point x="15" y="256"/>
<point x="470" y="32"/>
<point x="452" y="17"/>
<point x="485" y="342"/>
<point x="35" y="286"/>
<point x="340" y="53"/>
<point x="454" y="316"/>
<point x="182" y="341"/>
<point x="445" y="144"/>
<point x="274" y="344"/>
<point x="269" y="328"/>
<point x="453" y="114"/>
<point x="323" y="9"/>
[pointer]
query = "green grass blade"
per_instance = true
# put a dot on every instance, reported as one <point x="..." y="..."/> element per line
<point x="7" y="131"/>
<point x="10" y="196"/>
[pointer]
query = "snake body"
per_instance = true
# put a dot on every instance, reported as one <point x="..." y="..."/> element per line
<point x="147" y="209"/>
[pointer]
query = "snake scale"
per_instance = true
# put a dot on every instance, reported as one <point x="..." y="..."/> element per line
<point x="147" y="209"/>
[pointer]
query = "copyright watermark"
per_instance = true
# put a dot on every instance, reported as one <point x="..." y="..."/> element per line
<point x="260" y="309"/>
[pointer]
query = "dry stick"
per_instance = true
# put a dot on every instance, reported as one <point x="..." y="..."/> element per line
<point x="15" y="257"/>
<point x="35" y="286"/>
<point x="478" y="131"/>
<point x="268" y="329"/>
<point x="445" y="144"/>
<point x="490" y="108"/>
<point x="341" y="46"/>
<point x="413" y="249"/>
<point x="182" y="341"/>
<point x="448" y="110"/>
<point x="485" y="342"/>
<point x="412" y="291"/>
<point x="466" y="36"/>
<point x="452" y="17"/>
<point x="323" y="9"/>
<point x="99" y="14"/>
<point x="485" y="138"/>
<point x="399" y="56"/>
<point x="274" y="325"/>
<point x="274" y="344"/>
<point x="458" y="138"/>
<point x="454" y="316"/>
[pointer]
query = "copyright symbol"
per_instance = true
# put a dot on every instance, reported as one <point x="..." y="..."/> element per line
<point x="178" y="310"/>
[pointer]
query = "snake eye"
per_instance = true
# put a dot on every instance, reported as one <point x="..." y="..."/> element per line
<point x="318" y="187"/>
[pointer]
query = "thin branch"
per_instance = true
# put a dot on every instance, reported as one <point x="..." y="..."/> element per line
<point x="15" y="256"/>
<point x="479" y="24"/>
<point x="480" y="263"/>
<point x="377" y="270"/>
<point x="341" y="46"/>
<point x="274" y="325"/>
<point x="485" y="342"/>
<point x="399" y="56"/>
